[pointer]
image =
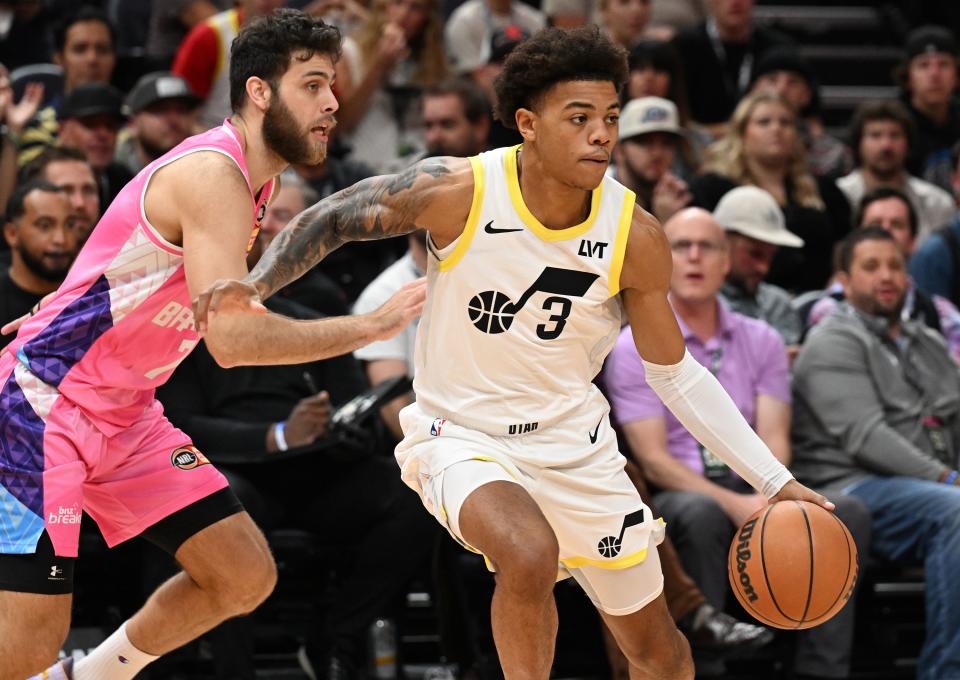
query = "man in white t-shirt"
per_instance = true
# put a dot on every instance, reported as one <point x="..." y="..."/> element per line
<point x="471" y="26"/>
<point x="882" y="134"/>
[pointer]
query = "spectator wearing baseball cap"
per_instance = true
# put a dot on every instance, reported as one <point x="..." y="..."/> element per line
<point x="90" y="118"/>
<point x="756" y="230"/>
<point x="783" y="70"/>
<point x="502" y="42"/>
<point x="161" y="107"/>
<point x="650" y="136"/>
<point x="928" y="78"/>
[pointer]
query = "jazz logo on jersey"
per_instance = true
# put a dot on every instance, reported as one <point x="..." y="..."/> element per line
<point x="437" y="426"/>
<point x="492" y="311"/>
<point x="188" y="457"/>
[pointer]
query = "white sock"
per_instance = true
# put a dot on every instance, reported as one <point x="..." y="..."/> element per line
<point x="114" y="659"/>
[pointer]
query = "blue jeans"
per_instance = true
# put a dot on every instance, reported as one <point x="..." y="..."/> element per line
<point x="919" y="521"/>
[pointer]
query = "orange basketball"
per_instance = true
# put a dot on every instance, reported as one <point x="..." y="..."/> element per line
<point x="793" y="565"/>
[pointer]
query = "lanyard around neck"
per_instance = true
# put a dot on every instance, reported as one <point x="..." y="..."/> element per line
<point x="746" y="66"/>
<point x="716" y="360"/>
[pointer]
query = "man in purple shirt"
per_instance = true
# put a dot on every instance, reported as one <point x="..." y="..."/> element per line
<point x="701" y="499"/>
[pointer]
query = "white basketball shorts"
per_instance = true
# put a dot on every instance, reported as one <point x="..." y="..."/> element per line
<point x="575" y="474"/>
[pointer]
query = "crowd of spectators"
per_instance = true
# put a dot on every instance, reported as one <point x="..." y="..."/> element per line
<point x="816" y="274"/>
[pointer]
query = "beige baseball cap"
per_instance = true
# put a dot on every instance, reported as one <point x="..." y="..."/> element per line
<point x="753" y="212"/>
<point x="649" y="114"/>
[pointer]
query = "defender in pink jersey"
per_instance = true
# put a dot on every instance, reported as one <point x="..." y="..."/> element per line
<point x="80" y="429"/>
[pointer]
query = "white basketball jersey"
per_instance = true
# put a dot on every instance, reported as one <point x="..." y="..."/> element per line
<point x="519" y="317"/>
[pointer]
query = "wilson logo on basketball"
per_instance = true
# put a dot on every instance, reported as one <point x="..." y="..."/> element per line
<point x="188" y="457"/>
<point x="792" y="565"/>
<point x="743" y="556"/>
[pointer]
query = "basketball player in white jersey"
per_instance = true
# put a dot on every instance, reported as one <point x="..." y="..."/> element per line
<point x="533" y="256"/>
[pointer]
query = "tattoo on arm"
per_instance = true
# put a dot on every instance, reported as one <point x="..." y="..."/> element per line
<point x="378" y="207"/>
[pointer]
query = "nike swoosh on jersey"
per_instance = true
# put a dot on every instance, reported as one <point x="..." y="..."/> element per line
<point x="596" y="431"/>
<point x="490" y="229"/>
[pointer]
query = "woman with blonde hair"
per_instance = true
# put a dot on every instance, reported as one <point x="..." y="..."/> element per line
<point x="393" y="56"/>
<point x="763" y="148"/>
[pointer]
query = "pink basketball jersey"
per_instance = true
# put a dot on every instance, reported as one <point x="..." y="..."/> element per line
<point x="122" y="320"/>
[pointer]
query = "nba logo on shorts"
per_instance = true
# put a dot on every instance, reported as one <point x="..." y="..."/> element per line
<point x="437" y="426"/>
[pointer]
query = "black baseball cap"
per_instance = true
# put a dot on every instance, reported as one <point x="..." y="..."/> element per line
<point x="785" y="59"/>
<point x="661" y="56"/>
<point x="927" y="39"/>
<point x="92" y="99"/>
<point x="504" y="40"/>
<point x="159" y="86"/>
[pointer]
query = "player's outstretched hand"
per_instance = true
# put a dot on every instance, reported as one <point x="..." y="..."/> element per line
<point x="226" y="296"/>
<point x="795" y="491"/>
<point x="405" y="305"/>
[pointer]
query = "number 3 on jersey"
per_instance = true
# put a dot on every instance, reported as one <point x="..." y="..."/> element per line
<point x="492" y="311"/>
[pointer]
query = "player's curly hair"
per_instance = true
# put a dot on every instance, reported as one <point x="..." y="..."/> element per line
<point x="265" y="47"/>
<point x="552" y="56"/>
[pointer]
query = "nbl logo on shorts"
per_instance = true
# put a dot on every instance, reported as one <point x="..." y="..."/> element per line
<point x="188" y="457"/>
<point x="492" y="312"/>
<point x="437" y="426"/>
